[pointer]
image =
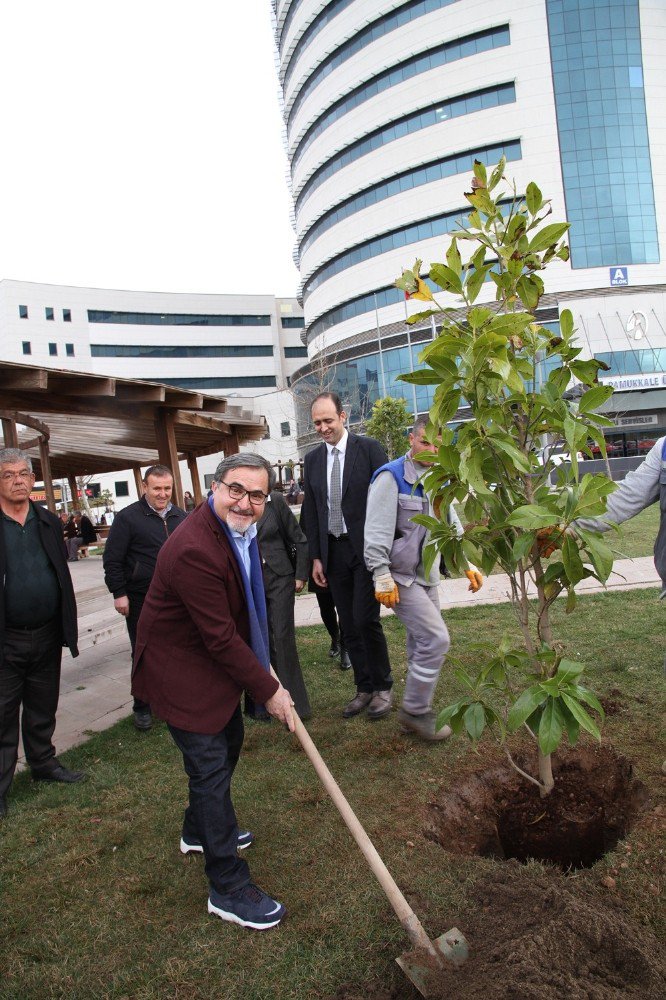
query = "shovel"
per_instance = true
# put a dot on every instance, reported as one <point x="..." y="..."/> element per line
<point x="428" y="956"/>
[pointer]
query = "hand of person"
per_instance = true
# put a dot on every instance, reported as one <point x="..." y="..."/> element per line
<point x="121" y="604"/>
<point x="475" y="578"/>
<point x="298" y="585"/>
<point x="386" y="591"/>
<point x="318" y="574"/>
<point x="280" y="706"/>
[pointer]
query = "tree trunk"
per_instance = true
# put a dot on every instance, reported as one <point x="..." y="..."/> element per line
<point x="546" y="774"/>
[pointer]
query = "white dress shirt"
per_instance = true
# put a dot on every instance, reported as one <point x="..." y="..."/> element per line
<point x="342" y="448"/>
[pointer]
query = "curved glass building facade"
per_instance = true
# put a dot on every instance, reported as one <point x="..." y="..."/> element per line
<point x="387" y="105"/>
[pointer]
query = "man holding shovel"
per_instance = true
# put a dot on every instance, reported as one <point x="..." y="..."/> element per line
<point x="202" y="640"/>
<point x="394" y="555"/>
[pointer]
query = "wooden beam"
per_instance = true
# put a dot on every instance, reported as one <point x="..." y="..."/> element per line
<point x="188" y="419"/>
<point x="26" y="420"/>
<point x="231" y="445"/>
<point x="168" y="451"/>
<point x="194" y="473"/>
<point x="46" y="474"/>
<point x="138" y="481"/>
<point x="73" y="488"/>
<point x="144" y="393"/>
<point x="82" y="385"/>
<point x="183" y="398"/>
<point x="9" y="432"/>
<point x="35" y="378"/>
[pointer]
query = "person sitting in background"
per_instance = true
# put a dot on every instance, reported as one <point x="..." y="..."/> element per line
<point x="188" y="501"/>
<point x="73" y="540"/>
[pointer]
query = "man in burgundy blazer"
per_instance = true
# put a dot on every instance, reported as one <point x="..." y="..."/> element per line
<point x="201" y="642"/>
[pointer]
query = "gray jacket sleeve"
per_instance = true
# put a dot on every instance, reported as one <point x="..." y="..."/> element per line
<point x="380" y="520"/>
<point x="635" y="492"/>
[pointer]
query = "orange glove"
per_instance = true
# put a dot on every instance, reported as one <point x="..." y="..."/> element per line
<point x="386" y="591"/>
<point x="549" y="540"/>
<point x="475" y="578"/>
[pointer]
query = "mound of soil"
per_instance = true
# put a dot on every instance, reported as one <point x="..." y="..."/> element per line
<point x="538" y="940"/>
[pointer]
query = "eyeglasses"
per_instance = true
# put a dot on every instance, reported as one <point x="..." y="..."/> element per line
<point x="236" y="492"/>
<point x="7" y="477"/>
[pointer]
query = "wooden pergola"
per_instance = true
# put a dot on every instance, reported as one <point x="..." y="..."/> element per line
<point x="74" y="424"/>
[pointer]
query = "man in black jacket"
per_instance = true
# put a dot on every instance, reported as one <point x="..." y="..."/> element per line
<point x="337" y="477"/>
<point x="37" y="617"/>
<point x="137" y="534"/>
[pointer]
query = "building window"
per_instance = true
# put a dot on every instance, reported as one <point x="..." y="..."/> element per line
<point x="27" y="349"/>
<point x="229" y="382"/>
<point x="23" y="312"/>
<point x="176" y="319"/>
<point x="69" y="350"/>
<point x="189" y="351"/>
<point x="285" y="429"/>
<point x="295" y="352"/>
<point x="53" y="350"/>
<point x="121" y="488"/>
<point x="67" y="315"/>
<point x="49" y="312"/>
<point x="292" y="322"/>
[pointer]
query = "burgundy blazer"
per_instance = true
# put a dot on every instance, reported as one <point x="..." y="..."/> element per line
<point x="192" y="658"/>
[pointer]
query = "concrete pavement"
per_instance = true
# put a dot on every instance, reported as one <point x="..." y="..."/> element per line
<point x="95" y="686"/>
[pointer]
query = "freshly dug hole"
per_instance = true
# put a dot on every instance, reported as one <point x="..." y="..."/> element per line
<point x="497" y="813"/>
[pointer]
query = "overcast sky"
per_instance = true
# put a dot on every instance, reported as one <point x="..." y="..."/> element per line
<point x="142" y="146"/>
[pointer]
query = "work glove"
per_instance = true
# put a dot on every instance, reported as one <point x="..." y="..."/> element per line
<point x="475" y="578"/>
<point x="386" y="591"/>
<point x="551" y="538"/>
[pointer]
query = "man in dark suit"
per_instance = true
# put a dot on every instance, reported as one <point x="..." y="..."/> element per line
<point x="37" y="618"/>
<point x="337" y="477"/>
<point x="202" y="640"/>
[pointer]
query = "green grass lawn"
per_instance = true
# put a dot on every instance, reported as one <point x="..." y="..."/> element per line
<point x="97" y="901"/>
<point x="636" y="537"/>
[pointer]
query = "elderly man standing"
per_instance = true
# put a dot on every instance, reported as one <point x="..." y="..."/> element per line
<point x="394" y="554"/>
<point x="203" y="640"/>
<point x="136" y="537"/>
<point x="37" y="617"/>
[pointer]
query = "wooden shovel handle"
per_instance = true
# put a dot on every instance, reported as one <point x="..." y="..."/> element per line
<point x="403" y="910"/>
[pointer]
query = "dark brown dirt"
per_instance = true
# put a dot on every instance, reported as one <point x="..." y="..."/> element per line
<point x="539" y="940"/>
<point x="497" y="813"/>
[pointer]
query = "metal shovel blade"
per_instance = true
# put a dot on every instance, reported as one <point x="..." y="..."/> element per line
<point x="421" y="967"/>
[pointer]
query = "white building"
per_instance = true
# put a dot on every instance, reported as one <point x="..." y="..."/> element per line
<point x="387" y="104"/>
<point x="244" y="346"/>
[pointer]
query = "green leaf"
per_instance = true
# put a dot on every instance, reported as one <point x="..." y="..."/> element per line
<point x="453" y="258"/>
<point x="548" y="236"/>
<point x="475" y="720"/>
<point x="423" y="376"/>
<point x="566" y="323"/>
<point x="568" y="670"/>
<point x="531" y="699"/>
<point x="571" y="725"/>
<point x="532" y="515"/>
<point x="446" y="278"/>
<point x="581" y="716"/>
<point x="600" y="554"/>
<point x="550" y="727"/>
<point x="594" y="397"/>
<point x="523" y="544"/>
<point x="584" y="694"/>
<point x="497" y="174"/>
<point x="474" y="281"/>
<point x="420" y="317"/>
<point x="572" y="562"/>
<point x="533" y="198"/>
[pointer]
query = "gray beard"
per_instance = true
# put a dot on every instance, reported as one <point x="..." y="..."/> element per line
<point x="237" y="522"/>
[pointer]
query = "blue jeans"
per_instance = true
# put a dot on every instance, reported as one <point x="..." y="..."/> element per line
<point x="210" y="761"/>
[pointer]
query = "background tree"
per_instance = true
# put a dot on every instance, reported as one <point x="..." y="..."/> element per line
<point x="495" y="358"/>
<point x="388" y="424"/>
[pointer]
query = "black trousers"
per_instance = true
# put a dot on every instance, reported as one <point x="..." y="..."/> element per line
<point x="280" y="598"/>
<point x="210" y="761"/>
<point x="29" y="677"/>
<point x="354" y="595"/>
<point x="135" y="605"/>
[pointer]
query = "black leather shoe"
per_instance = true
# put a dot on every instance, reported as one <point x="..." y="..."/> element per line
<point x="142" y="718"/>
<point x="334" y="650"/>
<point x="345" y="662"/>
<point x="59" y="773"/>
<point x="357" y="704"/>
<point x="3" y="807"/>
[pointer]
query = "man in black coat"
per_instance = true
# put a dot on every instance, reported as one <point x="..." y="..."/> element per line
<point x="137" y="534"/>
<point x="37" y="617"/>
<point x="337" y="477"/>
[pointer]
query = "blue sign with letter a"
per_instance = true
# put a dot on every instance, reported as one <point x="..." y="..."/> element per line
<point x="619" y="276"/>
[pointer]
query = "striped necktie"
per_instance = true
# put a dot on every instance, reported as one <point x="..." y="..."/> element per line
<point x="335" y="498"/>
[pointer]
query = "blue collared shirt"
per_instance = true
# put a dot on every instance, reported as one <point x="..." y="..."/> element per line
<point x="242" y="543"/>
